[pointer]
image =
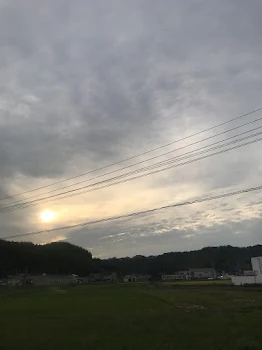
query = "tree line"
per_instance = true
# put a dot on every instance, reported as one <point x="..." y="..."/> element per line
<point x="66" y="258"/>
<point x="53" y="258"/>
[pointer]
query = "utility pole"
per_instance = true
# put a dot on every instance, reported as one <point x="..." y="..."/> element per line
<point x="25" y="275"/>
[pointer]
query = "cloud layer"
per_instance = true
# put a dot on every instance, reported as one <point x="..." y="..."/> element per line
<point x="87" y="84"/>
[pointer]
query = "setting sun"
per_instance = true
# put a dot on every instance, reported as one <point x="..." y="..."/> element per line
<point x="47" y="216"/>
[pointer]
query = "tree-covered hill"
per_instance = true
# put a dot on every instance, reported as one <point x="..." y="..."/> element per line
<point x="53" y="258"/>
<point x="64" y="258"/>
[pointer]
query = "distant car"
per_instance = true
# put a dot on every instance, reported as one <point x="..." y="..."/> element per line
<point x="220" y="278"/>
<point x="210" y="278"/>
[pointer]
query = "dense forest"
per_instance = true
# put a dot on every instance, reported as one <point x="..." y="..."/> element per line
<point x="53" y="258"/>
<point x="64" y="258"/>
<point x="223" y="258"/>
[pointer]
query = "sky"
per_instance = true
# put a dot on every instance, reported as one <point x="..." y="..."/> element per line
<point x="86" y="84"/>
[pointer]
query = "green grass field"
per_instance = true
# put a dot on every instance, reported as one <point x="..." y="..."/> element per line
<point x="131" y="317"/>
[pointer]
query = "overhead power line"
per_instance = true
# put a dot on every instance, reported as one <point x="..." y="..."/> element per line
<point x="160" y="164"/>
<point x="164" y="163"/>
<point x="200" y="200"/>
<point x="136" y="156"/>
<point x="173" y="166"/>
<point x="156" y="165"/>
<point x="140" y="162"/>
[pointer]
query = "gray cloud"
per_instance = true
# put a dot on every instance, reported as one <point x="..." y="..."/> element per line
<point x="86" y="84"/>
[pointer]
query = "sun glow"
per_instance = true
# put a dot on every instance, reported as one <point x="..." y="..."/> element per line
<point x="47" y="216"/>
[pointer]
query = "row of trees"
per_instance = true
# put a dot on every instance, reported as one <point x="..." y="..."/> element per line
<point x="224" y="258"/>
<point x="65" y="258"/>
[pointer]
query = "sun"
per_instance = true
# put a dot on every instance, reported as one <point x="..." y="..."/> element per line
<point x="47" y="216"/>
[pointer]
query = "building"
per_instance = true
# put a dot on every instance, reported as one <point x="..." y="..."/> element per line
<point x="54" y="280"/>
<point x="248" y="273"/>
<point x="174" y="277"/>
<point x="143" y="278"/>
<point x="129" y="278"/>
<point x="3" y="282"/>
<point x="256" y="263"/>
<point x="41" y="280"/>
<point x="255" y="278"/>
<point x="83" y="280"/>
<point x="112" y="278"/>
<point x="95" y="277"/>
<point x="16" y="280"/>
<point x="202" y="273"/>
<point x="185" y="273"/>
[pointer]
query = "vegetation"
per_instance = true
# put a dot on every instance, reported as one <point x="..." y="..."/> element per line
<point x="224" y="258"/>
<point x="131" y="317"/>
<point x="53" y="258"/>
<point x="64" y="258"/>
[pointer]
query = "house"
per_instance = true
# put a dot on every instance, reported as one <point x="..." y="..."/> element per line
<point x="129" y="278"/>
<point x="142" y="278"/>
<point x="112" y="278"/>
<point x="95" y="277"/>
<point x="83" y="280"/>
<point x="255" y="278"/>
<point x="202" y="273"/>
<point x="54" y="280"/>
<point x="16" y="280"/>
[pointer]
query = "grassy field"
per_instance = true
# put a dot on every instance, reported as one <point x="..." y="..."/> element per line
<point x="198" y="283"/>
<point x="131" y="317"/>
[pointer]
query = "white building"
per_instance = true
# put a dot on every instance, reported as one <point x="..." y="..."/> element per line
<point x="256" y="278"/>
<point x="130" y="278"/>
<point x="184" y="273"/>
<point x="200" y="274"/>
<point x="257" y="265"/>
<point x="248" y="273"/>
<point x="204" y="273"/>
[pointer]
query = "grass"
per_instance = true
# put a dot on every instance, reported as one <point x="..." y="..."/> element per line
<point x="131" y="317"/>
<point x="210" y="282"/>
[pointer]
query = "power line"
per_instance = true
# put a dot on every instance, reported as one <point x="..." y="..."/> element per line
<point x="169" y="161"/>
<point x="156" y="165"/>
<point x="173" y="166"/>
<point x="140" y="162"/>
<point x="136" y="156"/>
<point x="200" y="200"/>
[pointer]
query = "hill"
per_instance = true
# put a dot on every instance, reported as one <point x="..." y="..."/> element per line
<point x="223" y="258"/>
<point x="64" y="258"/>
<point x="53" y="258"/>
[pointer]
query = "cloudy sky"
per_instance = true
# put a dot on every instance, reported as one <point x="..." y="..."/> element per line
<point x="85" y="84"/>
